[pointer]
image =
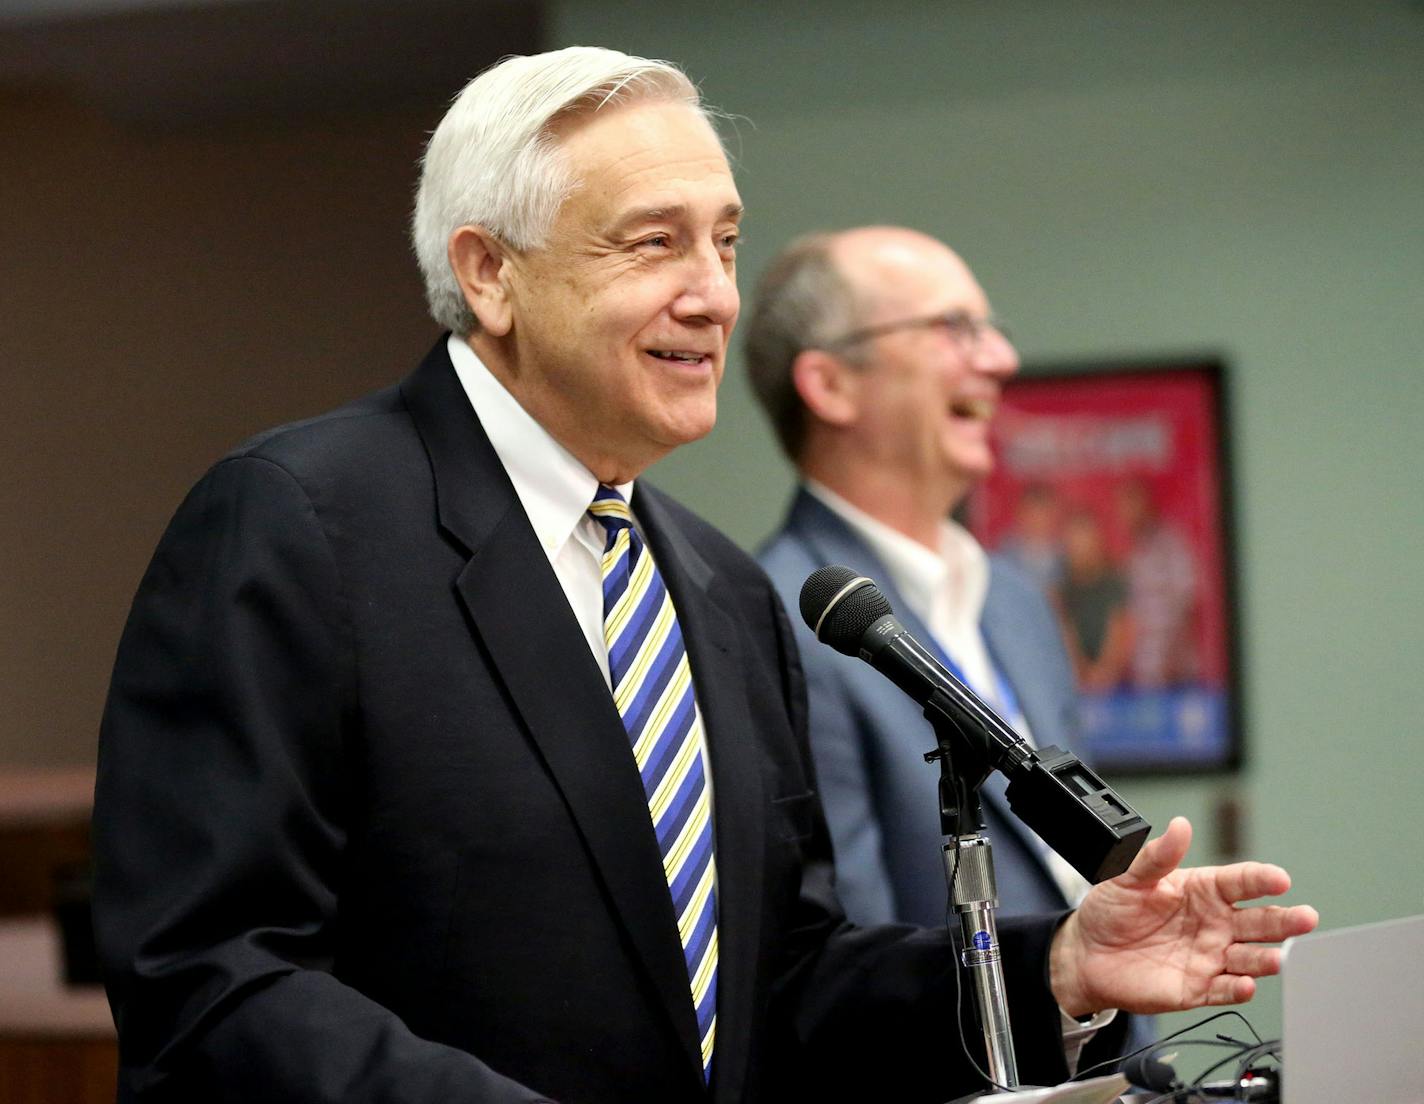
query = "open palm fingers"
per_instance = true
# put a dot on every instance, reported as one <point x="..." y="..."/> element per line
<point x="1272" y="923"/>
<point x="1230" y="989"/>
<point x="1246" y="881"/>
<point x="1254" y="953"/>
<point x="1252" y="960"/>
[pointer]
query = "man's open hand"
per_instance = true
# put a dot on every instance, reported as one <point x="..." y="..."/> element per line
<point x="1162" y="939"/>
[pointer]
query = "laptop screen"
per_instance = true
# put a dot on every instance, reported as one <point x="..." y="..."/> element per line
<point x="1353" y="1015"/>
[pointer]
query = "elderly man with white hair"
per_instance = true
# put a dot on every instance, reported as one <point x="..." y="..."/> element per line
<point x="446" y="760"/>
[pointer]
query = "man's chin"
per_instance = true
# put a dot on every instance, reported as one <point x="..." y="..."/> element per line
<point x="669" y="436"/>
<point x="690" y="421"/>
<point x="695" y="431"/>
<point x="972" y="465"/>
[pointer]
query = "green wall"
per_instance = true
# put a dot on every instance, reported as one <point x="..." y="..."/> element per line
<point x="1151" y="179"/>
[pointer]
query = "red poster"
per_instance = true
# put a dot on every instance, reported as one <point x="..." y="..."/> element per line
<point x="1109" y="490"/>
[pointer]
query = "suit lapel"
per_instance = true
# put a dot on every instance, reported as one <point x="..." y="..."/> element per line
<point x="522" y="621"/>
<point x="739" y="806"/>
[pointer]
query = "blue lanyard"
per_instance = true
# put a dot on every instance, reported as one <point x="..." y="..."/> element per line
<point x="1003" y="700"/>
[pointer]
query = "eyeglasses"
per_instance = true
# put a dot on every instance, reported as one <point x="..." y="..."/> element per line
<point x="964" y="329"/>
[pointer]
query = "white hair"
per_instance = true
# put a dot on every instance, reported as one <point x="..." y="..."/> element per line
<point x="494" y="162"/>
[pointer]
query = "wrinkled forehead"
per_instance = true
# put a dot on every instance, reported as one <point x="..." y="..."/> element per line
<point x="650" y="154"/>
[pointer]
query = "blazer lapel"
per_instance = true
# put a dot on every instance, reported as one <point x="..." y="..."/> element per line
<point x="739" y="806"/>
<point x="523" y="623"/>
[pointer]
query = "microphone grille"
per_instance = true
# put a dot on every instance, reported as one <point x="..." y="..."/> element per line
<point x="839" y="617"/>
<point x="1147" y="1071"/>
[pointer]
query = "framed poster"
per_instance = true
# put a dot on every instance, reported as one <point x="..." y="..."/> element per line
<point x="1111" y="490"/>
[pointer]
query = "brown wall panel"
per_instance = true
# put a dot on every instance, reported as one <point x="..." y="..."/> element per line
<point x="165" y="294"/>
<point x="58" y="1071"/>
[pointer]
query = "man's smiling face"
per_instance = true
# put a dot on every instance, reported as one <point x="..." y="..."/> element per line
<point x="620" y="321"/>
<point x="927" y="393"/>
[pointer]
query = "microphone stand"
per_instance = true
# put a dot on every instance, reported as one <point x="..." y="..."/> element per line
<point x="969" y="870"/>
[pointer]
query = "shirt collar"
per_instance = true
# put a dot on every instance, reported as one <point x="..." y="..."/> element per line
<point x="553" y="486"/>
<point x="951" y="583"/>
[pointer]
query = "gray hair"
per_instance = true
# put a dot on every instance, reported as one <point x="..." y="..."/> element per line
<point x="802" y="301"/>
<point x="494" y="162"/>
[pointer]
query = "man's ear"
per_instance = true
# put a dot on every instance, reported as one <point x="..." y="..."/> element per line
<point x="828" y="385"/>
<point x="479" y="261"/>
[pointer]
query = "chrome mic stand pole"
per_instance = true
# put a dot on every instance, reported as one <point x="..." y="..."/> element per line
<point x="969" y="867"/>
<point x="969" y="872"/>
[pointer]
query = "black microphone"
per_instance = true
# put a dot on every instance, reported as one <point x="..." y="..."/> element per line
<point x="1147" y="1071"/>
<point x="1051" y="790"/>
<point x="849" y="612"/>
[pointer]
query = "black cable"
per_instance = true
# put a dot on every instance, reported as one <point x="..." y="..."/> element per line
<point x="1168" y="1038"/>
<point x="1245" y="1055"/>
<point x="1245" y="1058"/>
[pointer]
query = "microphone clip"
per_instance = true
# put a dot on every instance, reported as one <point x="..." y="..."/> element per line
<point x="964" y="763"/>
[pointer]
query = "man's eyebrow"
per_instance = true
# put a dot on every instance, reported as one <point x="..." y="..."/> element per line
<point x="671" y="213"/>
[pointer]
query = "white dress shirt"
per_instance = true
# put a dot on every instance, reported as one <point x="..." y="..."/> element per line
<point x="554" y="488"/>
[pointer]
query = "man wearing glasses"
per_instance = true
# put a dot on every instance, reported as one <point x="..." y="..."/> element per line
<point x="878" y="361"/>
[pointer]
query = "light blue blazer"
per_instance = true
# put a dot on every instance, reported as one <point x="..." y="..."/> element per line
<point x="868" y="738"/>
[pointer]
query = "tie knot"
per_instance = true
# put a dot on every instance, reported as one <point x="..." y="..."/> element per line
<point x="611" y="511"/>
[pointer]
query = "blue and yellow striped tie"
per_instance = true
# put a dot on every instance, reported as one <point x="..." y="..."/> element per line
<point x="652" y="688"/>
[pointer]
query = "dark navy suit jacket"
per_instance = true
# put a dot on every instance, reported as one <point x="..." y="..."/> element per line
<point x="367" y="827"/>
